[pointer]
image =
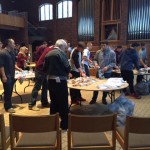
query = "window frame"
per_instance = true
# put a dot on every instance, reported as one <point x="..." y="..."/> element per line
<point x="62" y="4"/>
<point x="50" y="12"/>
<point x="0" y="8"/>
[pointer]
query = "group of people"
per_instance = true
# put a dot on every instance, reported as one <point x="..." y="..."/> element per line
<point x="53" y="69"/>
<point x="54" y="64"/>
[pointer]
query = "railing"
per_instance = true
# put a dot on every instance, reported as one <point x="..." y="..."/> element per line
<point x="15" y="13"/>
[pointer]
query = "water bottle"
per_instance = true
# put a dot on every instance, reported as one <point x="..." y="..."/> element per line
<point x="100" y="73"/>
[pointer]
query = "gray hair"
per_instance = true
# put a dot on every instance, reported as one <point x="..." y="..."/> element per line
<point x="62" y="44"/>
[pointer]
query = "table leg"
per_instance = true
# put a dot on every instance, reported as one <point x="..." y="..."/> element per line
<point x="112" y="96"/>
<point x="27" y="85"/>
<point x="15" y="91"/>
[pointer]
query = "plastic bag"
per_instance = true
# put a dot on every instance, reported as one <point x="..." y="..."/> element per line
<point x="100" y="74"/>
<point x="123" y="107"/>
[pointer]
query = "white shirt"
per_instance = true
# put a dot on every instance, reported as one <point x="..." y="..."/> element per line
<point x="86" y="53"/>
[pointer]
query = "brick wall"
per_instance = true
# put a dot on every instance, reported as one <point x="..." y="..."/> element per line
<point x="67" y="28"/>
<point x="124" y="22"/>
<point x="97" y="23"/>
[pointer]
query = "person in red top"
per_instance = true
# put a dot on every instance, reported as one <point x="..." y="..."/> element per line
<point x="40" y="80"/>
<point x="22" y="57"/>
<point x="40" y="51"/>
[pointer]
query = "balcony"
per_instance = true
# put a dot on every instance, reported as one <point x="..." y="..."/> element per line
<point x="11" y="22"/>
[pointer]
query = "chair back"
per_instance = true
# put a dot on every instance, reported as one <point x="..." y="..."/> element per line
<point x="93" y="125"/>
<point x="86" y="123"/>
<point x="138" y="125"/>
<point x="34" y="124"/>
<point x="4" y="140"/>
<point x="135" y="134"/>
<point x="29" y="125"/>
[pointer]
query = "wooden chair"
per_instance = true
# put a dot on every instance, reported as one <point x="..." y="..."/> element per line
<point x="89" y="132"/>
<point x="135" y="135"/>
<point x="36" y="132"/>
<point x="4" y="134"/>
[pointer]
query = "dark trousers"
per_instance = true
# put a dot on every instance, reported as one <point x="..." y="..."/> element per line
<point x="139" y="77"/>
<point x="59" y="100"/>
<point x="87" y="70"/>
<point x="40" y="81"/>
<point x="95" y="93"/>
<point x="8" y="89"/>
<point x="75" y="94"/>
<point x="129" y="77"/>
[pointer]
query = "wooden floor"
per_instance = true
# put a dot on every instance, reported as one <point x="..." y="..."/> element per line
<point x="142" y="106"/>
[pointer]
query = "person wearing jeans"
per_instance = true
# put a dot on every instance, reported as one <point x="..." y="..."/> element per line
<point x="105" y="59"/>
<point x="95" y="94"/>
<point x="40" y="81"/>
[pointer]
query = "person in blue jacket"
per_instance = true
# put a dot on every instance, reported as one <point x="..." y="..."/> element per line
<point x="129" y="60"/>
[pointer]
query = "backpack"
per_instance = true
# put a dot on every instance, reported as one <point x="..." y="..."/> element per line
<point x="142" y="88"/>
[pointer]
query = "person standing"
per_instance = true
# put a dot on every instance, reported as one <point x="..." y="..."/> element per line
<point x="76" y="71"/>
<point x="69" y="50"/>
<point x="40" y="81"/>
<point x="142" y="61"/>
<point x="40" y="50"/>
<point x="118" y="51"/>
<point x="129" y="58"/>
<point x="86" y="58"/>
<point x="57" y="68"/>
<point x="105" y="60"/>
<point x="7" y="73"/>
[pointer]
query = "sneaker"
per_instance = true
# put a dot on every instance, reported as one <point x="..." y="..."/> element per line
<point x="11" y="110"/>
<point x="34" y="108"/>
<point x="47" y="105"/>
<point x="92" y="102"/>
<point x="31" y="104"/>
<point x="135" y="95"/>
<point x="82" y="99"/>
<point x="75" y="102"/>
<point x="104" y="101"/>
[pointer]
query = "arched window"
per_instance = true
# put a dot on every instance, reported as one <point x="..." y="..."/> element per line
<point x="64" y="9"/>
<point x="45" y="12"/>
<point x="0" y="8"/>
